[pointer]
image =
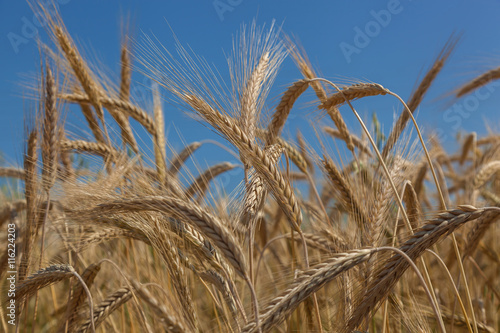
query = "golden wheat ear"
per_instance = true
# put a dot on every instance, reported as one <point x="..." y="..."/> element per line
<point x="478" y="82"/>
<point x="303" y="63"/>
<point x="419" y="93"/>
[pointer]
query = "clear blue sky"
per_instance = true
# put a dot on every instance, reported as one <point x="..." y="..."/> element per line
<point x="394" y="51"/>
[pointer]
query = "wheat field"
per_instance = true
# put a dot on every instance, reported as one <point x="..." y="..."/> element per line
<point x="391" y="235"/>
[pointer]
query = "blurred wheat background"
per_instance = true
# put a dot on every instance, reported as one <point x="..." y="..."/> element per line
<point x="303" y="214"/>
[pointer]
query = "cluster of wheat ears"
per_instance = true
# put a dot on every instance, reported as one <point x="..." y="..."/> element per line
<point x="397" y="239"/>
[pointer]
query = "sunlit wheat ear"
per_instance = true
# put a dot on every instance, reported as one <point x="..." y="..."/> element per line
<point x="305" y="285"/>
<point x="179" y="159"/>
<point x="80" y="69"/>
<point x="248" y="117"/>
<point x="125" y="69"/>
<point x="467" y="145"/>
<point x="255" y="194"/>
<point x="201" y="184"/>
<point x="50" y="142"/>
<point x="200" y="243"/>
<point x="159" y="137"/>
<point x="307" y="71"/>
<point x="392" y="270"/>
<point x="89" y="115"/>
<point x="106" y="307"/>
<point x="30" y="193"/>
<point x="295" y="156"/>
<point x="207" y="223"/>
<point x="124" y="94"/>
<point x="274" y="180"/>
<point x="419" y="93"/>
<point x="221" y="284"/>
<point x="413" y="206"/>
<point x="253" y="64"/>
<point x="175" y="261"/>
<point x="10" y="172"/>
<point x="321" y="243"/>
<point x="353" y="92"/>
<point x="95" y="148"/>
<point x="384" y="196"/>
<point x="283" y="109"/>
<point x="107" y="235"/>
<point x="42" y="279"/>
<point x="51" y="131"/>
<point x="479" y="81"/>
<point x="302" y="61"/>
<point x="478" y="231"/>
<point x="485" y="173"/>
<point x="347" y="196"/>
<point x="141" y="116"/>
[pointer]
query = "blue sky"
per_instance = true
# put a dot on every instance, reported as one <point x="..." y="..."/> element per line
<point x="388" y="42"/>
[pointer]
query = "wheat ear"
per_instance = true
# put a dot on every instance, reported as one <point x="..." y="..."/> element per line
<point x="347" y="195"/>
<point x="106" y="307"/>
<point x="481" y="80"/>
<point x="271" y="175"/>
<point x="478" y="231"/>
<point x="419" y="94"/>
<point x="207" y="223"/>
<point x="307" y="71"/>
<point x="30" y="187"/>
<point x="249" y="99"/>
<point x="78" y="295"/>
<point x="12" y="172"/>
<point x="50" y="132"/>
<point x="283" y="109"/>
<point x="486" y="172"/>
<point x="43" y="278"/>
<point x="200" y="185"/>
<point x="355" y="91"/>
<point x="179" y="159"/>
<point x="96" y="148"/>
<point x="426" y="236"/>
<point x="112" y="103"/>
<point x="305" y="285"/>
<point x="92" y="121"/>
